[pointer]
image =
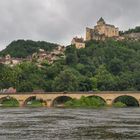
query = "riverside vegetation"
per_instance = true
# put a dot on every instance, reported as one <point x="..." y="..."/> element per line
<point x="83" y="102"/>
<point x="11" y="102"/>
<point x="103" y="65"/>
<point x="91" y="102"/>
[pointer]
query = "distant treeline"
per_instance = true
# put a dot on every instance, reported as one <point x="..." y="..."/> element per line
<point x="135" y="30"/>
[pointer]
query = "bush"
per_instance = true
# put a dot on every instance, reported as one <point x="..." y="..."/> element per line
<point x="119" y="104"/>
<point x="91" y="102"/>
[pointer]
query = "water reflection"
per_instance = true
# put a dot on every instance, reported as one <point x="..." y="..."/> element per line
<point x="69" y="124"/>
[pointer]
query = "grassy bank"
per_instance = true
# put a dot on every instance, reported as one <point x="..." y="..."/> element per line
<point x="9" y="103"/>
<point x="119" y="105"/>
<point x="84" y="102"/>
<point x="35" y="103"/>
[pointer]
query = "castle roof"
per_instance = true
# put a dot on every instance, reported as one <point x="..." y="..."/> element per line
<point x="110" y="25"/>
<point x="101" y="20"/>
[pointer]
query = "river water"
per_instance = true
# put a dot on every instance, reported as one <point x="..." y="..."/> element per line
<point x="69" y="124"/>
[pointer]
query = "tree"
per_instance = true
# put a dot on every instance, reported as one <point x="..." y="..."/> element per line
<point x="66" y="81"/>
<point x="105" y="80"/>
<point x="25" y="87"/>
<point x="71" y="56"/>
<point x="116" y="66"/>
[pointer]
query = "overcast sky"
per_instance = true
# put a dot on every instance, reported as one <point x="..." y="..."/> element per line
<point x="60" y="20"/>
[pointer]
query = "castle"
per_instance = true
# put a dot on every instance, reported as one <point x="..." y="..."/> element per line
<point x="78" y="42"/>
<point x="102" y="31"/>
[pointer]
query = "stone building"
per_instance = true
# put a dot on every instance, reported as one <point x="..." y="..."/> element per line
<point x="102" y="31"/>
<point x="78" y="42"/>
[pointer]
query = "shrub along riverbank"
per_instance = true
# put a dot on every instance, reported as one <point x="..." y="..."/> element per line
<point x="91" y="102"/>
<point x="14" y="103"/>
<point x="9" y="103"/>
<point x="35" y="103"/>
<point x="119" y="105"/>
<point x="84" y="102"/>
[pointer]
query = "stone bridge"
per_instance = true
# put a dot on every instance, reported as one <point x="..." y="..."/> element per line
<point x="50" y="98"/>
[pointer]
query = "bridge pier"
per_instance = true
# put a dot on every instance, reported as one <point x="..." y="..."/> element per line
<point x="49" y="103"/>
<point x="109" y="102"/>
<point x="21" y="103"/>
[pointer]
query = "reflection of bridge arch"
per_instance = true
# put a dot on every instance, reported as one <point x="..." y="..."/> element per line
<point x="130" y="100"/>
<point x="32" y="98"/>
<point x="60" y="100"/>
<point x="2" y="99"/>
<point x="96" y="96"/>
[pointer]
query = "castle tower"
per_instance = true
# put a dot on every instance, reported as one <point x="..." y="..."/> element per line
<point x="89" y="33"/>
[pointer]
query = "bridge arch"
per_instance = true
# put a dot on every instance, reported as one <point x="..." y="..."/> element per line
<point x="28" y="101"/>
<point x="60" y="100"/>
<point x="129" y="100"/>
<point x="98" y="97"/>
<point x="11" y="101"/>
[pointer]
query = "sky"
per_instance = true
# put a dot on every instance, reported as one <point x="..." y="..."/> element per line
<point x="58" y="21"/>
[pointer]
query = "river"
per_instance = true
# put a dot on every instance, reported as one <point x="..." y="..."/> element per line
<point x="69" y="124"/>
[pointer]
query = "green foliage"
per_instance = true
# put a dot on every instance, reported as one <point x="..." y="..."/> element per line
<point x="66" y="81"/>
<point x="22" y="48"/>
<point x="127" y="100"/>
<point x="91" y="102"/>
<point x="35" y="103"/>
<point x="102" y="65"/>
<point x="10" y="103"/>
<point x="119" y="105"/>
<point x="135" y="30"/>
<point x="71" y="55"/>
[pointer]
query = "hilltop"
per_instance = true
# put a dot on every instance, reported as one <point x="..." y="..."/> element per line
<point x="108" y="65"/>
<point x="25" y="48"/>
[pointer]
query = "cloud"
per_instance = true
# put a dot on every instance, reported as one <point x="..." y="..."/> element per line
<point x="60" y="20"/>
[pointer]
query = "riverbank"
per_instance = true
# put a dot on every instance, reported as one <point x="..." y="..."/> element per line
<point x="9" y="103"/>
<point x="35" y="103"/>
<point x="83" y="102"/>
<point x="91" y="102"/>
<point x="14" y="103"/>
